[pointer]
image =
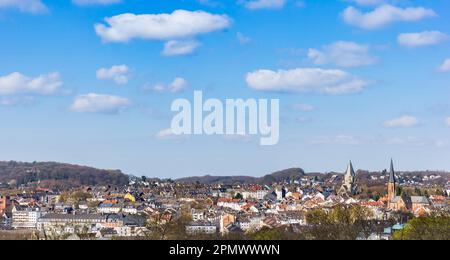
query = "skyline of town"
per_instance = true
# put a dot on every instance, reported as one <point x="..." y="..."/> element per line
<point x="288" y="205"/>
<point x="92" y="83"/>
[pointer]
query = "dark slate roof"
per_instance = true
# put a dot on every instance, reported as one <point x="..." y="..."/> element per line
<point x="392" y="173"/>
<point x="70" y="217"/>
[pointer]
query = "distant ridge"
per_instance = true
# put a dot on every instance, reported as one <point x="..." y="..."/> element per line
<point x="280" y="176"/>
<point x="58" y="175"/>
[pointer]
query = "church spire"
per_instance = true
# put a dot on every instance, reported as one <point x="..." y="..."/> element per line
<point x="392" y="173"/>
<point x="350" y="170"/>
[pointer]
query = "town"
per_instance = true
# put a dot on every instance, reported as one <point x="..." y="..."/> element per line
<point x="353" y="205"/>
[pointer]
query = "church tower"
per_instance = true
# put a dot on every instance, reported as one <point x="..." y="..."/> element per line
<point x="349" y="184"/>
<point x="392" y="183"/>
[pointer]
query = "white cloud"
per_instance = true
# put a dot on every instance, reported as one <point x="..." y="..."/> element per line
<point x="177" y="48"/>
<point x="422" y="38"/>
<point x="98" y="103"/>
<point x="17" y="83"/>
<point x="384" y="15"/>
<point x="264" y="4"/>
<point x="303" y="107"/>
<point x="405" y="141"/>
<point x="26" y="6"/>
<point x="167" y="134"/>
<point x="447" y="121"/>
<point x="177" y="85"/>
<point x="243" y="39"/>
<point x="337" y="140"/>
<point x="333" y="82"/>
<point x="95" y="2"/>
<point x="342" y="54"/>
<point x="404" y="121"/>
<point x="117" y="73"/>
<point x="164" y="134"/>
<point x="179" y="24"/>
<point x="445" y="67"/>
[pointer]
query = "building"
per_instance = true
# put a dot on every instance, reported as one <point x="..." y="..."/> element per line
<point x="392" y="185"/>
<point x="224" y="221"/>
<point x="6" y="220"/>
<point x="201" y="228"/>
<point x="25" y="217"/>
<point x="415" y="204"/>
<point x="107" y="208"/>
<point x="197" y="215"/>
<point x="257" y="195"/>
<point x="4" y="204"/>
<point x="349" y="186"/>
<point x="53" y="220"/>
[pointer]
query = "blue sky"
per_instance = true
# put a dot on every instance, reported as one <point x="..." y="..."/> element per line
<point x="367" y="80"/>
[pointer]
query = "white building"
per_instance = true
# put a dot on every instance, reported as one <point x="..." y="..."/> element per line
<point x="198" y="215"/>
<point x="257" y="195"/>
<point x="201" y="228"/>
<point x="25" y="217"/>
<point x="109" y="209"/>
<point x="130" y="210"/>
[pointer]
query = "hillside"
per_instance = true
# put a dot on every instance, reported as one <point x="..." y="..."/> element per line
<point x="58" y="175"/>
<point x="280" y="176"/>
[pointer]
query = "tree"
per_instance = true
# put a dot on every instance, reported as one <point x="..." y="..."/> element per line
<point x="239" y="196"/>
<point x="340" y="223"/>
<point x="399" y="191"/>
<point x="425" y="228"/>
<point x="160" y="229"/>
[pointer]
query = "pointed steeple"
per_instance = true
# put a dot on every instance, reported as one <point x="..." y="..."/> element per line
<point x="392" y="173"/>
<point x="350" y="170"/>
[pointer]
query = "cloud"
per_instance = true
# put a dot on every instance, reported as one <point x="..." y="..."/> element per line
<point x="118" y="73"/>
<point x="421" y="39"/>
<point x="303" y="107"/>
<point x="404" y="121"/>
<point x="445" y="67"/>
<point x="384" y="15"/>
<point x="26" y="6"/>
<point x="167" y="134"/>
<point x="177" y="85"/>
<point x="17" y="83"/>
<point x="405" y="141"/>
<point x="98" y="103"/>
<point x="179" y="24"/>
<point x="177" y="48"/>
<point x="164" y="134"/>
<point x="333" y="82"/>
<point x="264" y="4"/>
<point x="447" y="121"/>
<point x="242" y="38"/>
<point x="337" y="140"/>
<point x="95" y="2"/>
<point x="343" y="54"/>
